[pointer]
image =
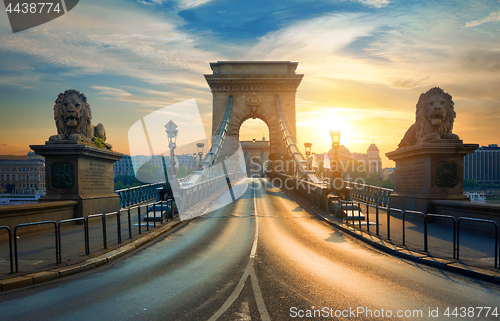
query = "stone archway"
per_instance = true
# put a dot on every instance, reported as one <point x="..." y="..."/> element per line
<point x="254" y="86"/>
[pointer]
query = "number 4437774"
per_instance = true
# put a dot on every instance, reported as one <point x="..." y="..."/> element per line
<point x="33" y="7"/>
<point x="471" y="312"/>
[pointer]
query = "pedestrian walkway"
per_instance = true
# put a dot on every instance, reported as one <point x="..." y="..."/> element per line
<point x="37" y="251"/>
<point x="477" y="242"/>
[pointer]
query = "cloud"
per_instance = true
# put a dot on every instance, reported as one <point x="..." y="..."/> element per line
<point x="481" y="60"/>
<point x="313" y="40"/>
<point x="188" y="4"/>
<point x="167" y="98"/>
<point x="20" y="80"/>
<point x="409" y="83"/>
<point x="494" y="16"/>
<point x="113" y="38"/>
<point x="374" y="3"/>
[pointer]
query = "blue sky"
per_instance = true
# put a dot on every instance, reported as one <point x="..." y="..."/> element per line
<point x="365" y="64"/>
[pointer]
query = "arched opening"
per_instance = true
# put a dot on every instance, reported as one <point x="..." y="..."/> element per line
<point x="254" y="139"/>
<point x="253" y="129"/>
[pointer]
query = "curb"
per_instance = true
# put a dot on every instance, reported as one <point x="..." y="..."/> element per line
<point x="447" y="265"/>
<point x="45" y="276"/>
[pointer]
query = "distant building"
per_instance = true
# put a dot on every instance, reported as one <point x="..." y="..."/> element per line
<point x="372" y="160"/>
<point x="124" y="166"/>
<point x="22" y="175"/>
<point x="483" y="165"/>
<point x="256" y="156"/>
<point x="128" y="165"/>
<point x="388" y="173"/>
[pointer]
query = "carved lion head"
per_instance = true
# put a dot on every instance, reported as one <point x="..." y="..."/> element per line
<point x="72" y="114"/>
<point x="435" y="114"/>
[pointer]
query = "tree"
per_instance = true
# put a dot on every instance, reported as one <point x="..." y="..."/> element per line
<point x="181" y="172"/>
<point x="145" y="175"/>
<point x="470" y="184"/>
<point x="388" y="183"/>
<point x="119" y="185"/>
<point x="374" y="179"/>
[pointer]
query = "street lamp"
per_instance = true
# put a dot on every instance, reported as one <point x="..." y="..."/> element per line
<point x="171" y="129"/>
<point x="200" y="146"/>
<point x="335" y="135"/>
<point x="308" y="152"/>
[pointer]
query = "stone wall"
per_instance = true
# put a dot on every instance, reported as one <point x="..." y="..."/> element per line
<point x="12" y="215"/>
<point x="465" y="209"/>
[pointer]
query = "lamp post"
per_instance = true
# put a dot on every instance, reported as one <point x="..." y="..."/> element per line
<point x="308" y="153"/>
<point x="335" y="135"/>
<point x="171" y="129"/>
<point x="200" y="154"/>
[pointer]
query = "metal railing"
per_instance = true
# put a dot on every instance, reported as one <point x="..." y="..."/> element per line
<point x="138" y="194"/>
<point x="455" y="225"/>
<point x="166" y="210"/>
<point x="10" y="247"/>
<point x="426" y="242"/>
<point x="404" y="221"/>
<point x="32" y="224"/>
<point x="479" y="221"/>
<point x="59" y="228"/>
<point x="319" y="195"/>
<point x="369" y="193"/>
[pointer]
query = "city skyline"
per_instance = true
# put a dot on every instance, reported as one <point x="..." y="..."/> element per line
<point x="365" y="64"/>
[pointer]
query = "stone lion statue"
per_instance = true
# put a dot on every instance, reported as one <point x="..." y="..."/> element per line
<point x="434" y="118"/>
<point x="73" y="121"/>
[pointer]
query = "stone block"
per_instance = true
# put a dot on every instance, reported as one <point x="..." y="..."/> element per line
<point x="81" y="173"/>
<point x="17" y="282"/>
<point x="429" y="171"/>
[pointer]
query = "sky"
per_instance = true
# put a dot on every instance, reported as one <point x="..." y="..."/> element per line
<point x="365" y="63"/>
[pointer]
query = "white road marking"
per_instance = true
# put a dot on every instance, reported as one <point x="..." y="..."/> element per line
<point x="249" y="271"/>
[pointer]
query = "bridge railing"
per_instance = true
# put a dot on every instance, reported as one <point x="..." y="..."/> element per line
<point x="369" y="193"/>
<point x="97" y="234"/>
<point x="394" y="230"/>
<point x="408" y="229"/>
<point x="139" y="194"/>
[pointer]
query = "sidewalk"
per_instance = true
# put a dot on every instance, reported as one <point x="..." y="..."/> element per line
<point x="476" y="249"/>
<point x="37" y="253"/>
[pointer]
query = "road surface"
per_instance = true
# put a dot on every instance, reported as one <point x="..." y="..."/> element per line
<point x="260" y="258"/>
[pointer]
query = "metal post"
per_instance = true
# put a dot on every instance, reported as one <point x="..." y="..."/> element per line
<point x="359" y="214"/>
<point x="10" y="247"/>
<point x="388" y="223"/>
<point x="104" y="236"/>
<point x="376" y="220"/>
<point x="129" y="224"/>
<point x="139" y="216"/>
<point x="367" y="218"/>
<point x="154" y="214"/>
<point x="161" y="212"/>
<point x="87" y="236"/>
<point x="119" y="225"/>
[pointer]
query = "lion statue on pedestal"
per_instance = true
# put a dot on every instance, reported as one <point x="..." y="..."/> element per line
<point x="73" y="121"/>
<point x="434" y="118"/>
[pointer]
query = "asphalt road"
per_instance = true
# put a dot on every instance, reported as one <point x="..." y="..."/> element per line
<point x="259" y="258"/>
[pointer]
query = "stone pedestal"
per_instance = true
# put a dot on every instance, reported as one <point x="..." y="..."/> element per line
<point x="429" y="171"/>
<point x="81" y="173"/>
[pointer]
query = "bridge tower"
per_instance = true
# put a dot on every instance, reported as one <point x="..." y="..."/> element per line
<point x="254" y="86"/>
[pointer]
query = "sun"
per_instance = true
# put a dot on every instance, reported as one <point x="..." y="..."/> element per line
<point x="317" y="131"/>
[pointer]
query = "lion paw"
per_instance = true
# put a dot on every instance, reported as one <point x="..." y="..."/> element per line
<point x="55" y="138"/>
<point x="76" y="137"/>
<point x="450" y="136"/>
